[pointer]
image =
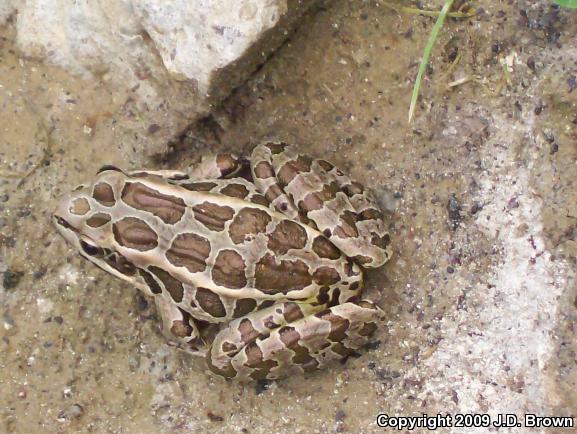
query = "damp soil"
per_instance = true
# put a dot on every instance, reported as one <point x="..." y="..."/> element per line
<point x="480" y="197"/>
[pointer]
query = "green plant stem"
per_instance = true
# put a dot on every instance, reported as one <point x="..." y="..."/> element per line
<point x="427" y="55"/>
<point x="429" y="13"/>
<point x="566" y="3"/>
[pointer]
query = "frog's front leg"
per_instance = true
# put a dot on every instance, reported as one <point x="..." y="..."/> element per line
<point x="290" y="338"/>
<point x="179" y="327"/>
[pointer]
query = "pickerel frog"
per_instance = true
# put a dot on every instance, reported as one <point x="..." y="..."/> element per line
<point x="259" y="271"/>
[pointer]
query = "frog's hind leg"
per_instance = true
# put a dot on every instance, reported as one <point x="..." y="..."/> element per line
<point x="324" y="197"/>
<point x="263" y="164"/>
<point x="289" y="338"/>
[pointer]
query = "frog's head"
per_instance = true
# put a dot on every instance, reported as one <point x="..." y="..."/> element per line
<point x="84" y="218"/>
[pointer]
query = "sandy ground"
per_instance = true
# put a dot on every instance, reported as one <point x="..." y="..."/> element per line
<point x="480" y="193"/>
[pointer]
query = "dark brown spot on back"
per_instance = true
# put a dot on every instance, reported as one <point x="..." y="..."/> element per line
<point x="189" y="250"/>
<point x="135" y="234"/>
<point x="229" y="269"/>
<point x="323" y="295"/>
<point x="104" y="194"/>
<point x="247" y="223"/>
<point x="235" y="190"/>
<point x="326" y="276"/>
<point x="98" y="219"/>
<point x="210" y="302"/>
<point x="169" y="209"/>
<point x="325" y="249"/>
<point x="260" y="200"/>
<point x="265" y="304"/>
<point x="172" y="285"/>
<point x="213" y="216"/>
<point x="335" y="297"/>
<point x="199" y="186"/>
<point x="244" y="306"/>
<point x="285" y="276"/>
<point x="292" y="312"/>
<point x="287" y="235"/>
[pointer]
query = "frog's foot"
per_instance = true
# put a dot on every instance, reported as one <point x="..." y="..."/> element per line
<point x="287" y="338"/>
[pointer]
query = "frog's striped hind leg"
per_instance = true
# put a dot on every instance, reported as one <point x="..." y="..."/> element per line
<point x="265" y="179"/>
<point x="288" y="338"/>
<point x="321" y="196"/>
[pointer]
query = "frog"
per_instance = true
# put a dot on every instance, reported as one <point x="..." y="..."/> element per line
<point x="256" y="264"/>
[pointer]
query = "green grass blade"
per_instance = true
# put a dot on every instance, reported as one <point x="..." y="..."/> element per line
<point x="404" y="9"/>
<point x="566" y="3"/>
<point x="427" y="55"/>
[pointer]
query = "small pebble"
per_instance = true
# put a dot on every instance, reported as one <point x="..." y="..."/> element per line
<point x="214" y="417"/>
<point x="39" y="274"/>
<point x="340" y="415"/>
<point x="11" y="279"/>
<point x="153" y="128"/>
<point x="475" y="208"/>
<point x="261" y="386"/>
<point x="454" y="209"/>
<point x="72" y="412"/>
<point x="513" y="203"/>
<point x="554" y="148"/>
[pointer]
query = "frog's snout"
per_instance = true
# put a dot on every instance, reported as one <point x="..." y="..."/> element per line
<point x="69" y="213"/>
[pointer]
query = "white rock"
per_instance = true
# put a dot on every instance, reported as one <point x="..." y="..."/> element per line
<point x="178" y="57"/>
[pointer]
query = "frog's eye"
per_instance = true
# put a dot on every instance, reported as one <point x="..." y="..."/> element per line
<point x="60" y="221"/>
<point x="91" y="249"/>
